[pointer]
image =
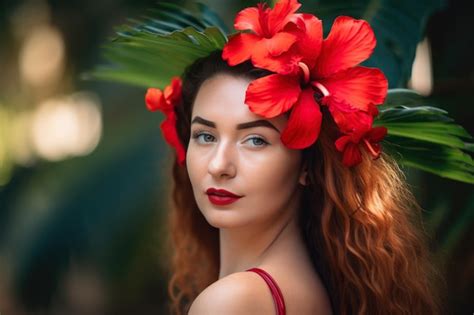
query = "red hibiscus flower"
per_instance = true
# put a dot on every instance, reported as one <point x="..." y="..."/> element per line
<point x="165" y="101"/>
<point x="269" y="41"/>
<point x="349" y="43"/>
<point x="330" y="77"/>
<point x="357" y="130"/>
<point x="350" y="144"/>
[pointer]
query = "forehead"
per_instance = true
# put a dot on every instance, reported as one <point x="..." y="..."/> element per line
<point x="221" y="99"/>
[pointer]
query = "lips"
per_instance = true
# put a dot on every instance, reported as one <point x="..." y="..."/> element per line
<point x="221" y="196"/>
<point x="221" y="192"/>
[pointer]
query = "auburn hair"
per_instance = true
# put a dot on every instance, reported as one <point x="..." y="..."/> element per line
<point x="361" y="226"/>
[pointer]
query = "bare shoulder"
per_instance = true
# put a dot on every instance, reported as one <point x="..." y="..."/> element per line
<point x="238" y="293"/>
<point x="247" y="293"/>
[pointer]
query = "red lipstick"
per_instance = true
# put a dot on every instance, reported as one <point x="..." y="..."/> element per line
<point x="221" y="197"/>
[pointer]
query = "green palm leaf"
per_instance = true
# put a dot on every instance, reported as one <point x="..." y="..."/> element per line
<point x="424" y="137"/>
<point x="396" y="97"/>
<point x="168" y="17"/>
<point x="150" y="52"/>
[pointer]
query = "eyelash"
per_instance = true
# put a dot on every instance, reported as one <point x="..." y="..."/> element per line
<point x="198" y="134"/>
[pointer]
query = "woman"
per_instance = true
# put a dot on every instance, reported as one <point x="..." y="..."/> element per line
<point x="335" y="240"/>
<point x="234" y="149"/>
<point x="282" y="199"/>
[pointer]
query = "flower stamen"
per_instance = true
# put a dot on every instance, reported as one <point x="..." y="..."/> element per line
<point x="374" y="153"/>
<point x="321" y="87"/>
<point x="305" y="70"/>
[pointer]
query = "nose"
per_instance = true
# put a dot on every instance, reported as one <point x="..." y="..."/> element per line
<point x="222" y="163"/>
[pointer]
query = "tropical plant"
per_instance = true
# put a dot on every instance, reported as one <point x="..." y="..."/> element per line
<point x="153" y="50"/>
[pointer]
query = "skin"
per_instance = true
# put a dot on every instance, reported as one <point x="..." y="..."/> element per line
<point x="260" y="229"/>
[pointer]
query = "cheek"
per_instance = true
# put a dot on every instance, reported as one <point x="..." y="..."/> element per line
<point x="274" y="179"/>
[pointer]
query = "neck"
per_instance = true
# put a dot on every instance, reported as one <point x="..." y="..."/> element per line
<point x="252" y="245"/>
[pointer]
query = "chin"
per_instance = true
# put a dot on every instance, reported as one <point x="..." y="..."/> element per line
<point x="223" y="218"/>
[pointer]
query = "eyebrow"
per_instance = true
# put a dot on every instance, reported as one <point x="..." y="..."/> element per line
<point x="250" y="124"/>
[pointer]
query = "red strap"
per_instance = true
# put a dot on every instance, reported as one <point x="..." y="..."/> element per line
<point x="276" y="293"/>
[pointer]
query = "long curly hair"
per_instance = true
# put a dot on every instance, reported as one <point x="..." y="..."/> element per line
<point x="361" y="225"/>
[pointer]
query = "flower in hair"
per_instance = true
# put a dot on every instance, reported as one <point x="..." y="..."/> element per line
<point x="307" y="72"/>
<point x="357" y="130"/>
<point x="326" y="73"/>
<point x="270" y="41"/>
<point x="166" y="101"/>
<point x="369" y="139"/>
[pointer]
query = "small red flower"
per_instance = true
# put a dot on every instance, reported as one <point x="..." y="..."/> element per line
<point x="357" y="130"/>
<point x="269" y="41"/>
<point x="350" y="144"/>
<point x="165" y="101"/>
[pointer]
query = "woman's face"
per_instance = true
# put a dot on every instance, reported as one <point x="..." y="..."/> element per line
<point x="234" y="149"/>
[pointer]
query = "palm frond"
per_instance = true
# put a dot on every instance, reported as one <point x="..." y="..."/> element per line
<point x="406" y="97"/>
<point x="149" y="52"/>
<point x="426" y="138"/>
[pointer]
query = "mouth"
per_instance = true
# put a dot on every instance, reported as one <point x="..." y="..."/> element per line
<point x="221" y="196"/>
<point x="221" y="193"/>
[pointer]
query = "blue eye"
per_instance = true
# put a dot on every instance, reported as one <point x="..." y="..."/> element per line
<point x="258" y="142"/>
<point x="206" y="137"/>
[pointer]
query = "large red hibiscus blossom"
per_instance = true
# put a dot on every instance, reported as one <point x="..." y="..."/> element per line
<point x="165" y="101"/>
<point x="327" y="75"/>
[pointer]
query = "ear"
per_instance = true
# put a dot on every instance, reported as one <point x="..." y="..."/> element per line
<point x="303" y="175"/>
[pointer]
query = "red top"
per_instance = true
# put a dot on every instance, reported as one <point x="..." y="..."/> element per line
<point x="276" y="293"/>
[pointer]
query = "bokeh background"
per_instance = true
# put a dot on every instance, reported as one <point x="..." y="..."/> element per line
<point x="84" y="171"/>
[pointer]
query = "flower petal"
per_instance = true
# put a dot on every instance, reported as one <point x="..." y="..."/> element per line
<point x="272" y="95"/>
<point x="155" y="100"/>
<point x="350" y="120"/>
<point x="172" y="92"/>
<point x="310" y="39"/>
<point x="279" y="43"/>
<point x="239" y="48"/>
<point x="351" y="155"/>
<point x="168" y="129"/>
<point x="249" y="19"/>
<point x="304" y="123"/>
<point x="377" y="134"/>
<point x="359" y="87"/>
<point x="281" y="14"/>
<point x="351" y="152"/>
<point x="342" y="142"/>
<point x="373" y="110"/>
<point x="349" y="43"/>
<point x="274" y="54"/>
